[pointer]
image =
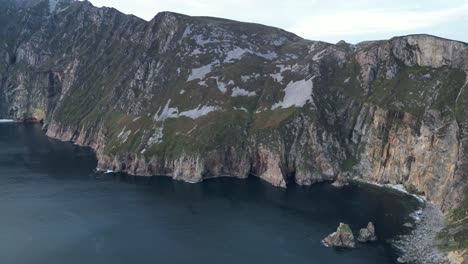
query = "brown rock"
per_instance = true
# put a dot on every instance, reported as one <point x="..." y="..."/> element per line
<point x="367" y="234"/>
<point x="340" y="181"/>
<point x="343" y="237"/>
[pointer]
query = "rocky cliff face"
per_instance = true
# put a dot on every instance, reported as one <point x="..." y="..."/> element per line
<point x="199" y="97"/>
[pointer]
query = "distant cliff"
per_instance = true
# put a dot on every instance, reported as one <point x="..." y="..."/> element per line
<point x="199" y="97"/>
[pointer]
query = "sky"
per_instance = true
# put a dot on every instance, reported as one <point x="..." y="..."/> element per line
<point x="329" y="20"/>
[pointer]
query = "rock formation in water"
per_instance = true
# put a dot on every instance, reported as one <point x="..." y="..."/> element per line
<point x="367" y="233"/>
<point x="343" y="237"/>
<point x="198" y="97"/>
<point x="341" y="181"/>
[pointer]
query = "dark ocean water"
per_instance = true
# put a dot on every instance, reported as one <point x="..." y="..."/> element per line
<point x="55" y="209"/>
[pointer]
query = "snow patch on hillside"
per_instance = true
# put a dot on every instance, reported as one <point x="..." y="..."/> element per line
<point x="201" y="41"/>
<point x="236" y="91"/>
<point x="199" y="111"/>
<point x="173" y="112"/>
<point x="167" y="112"/>
<point x="187" y="31"/>
<point x="196" y="52"/>
<point x="222" y="87"/>
<point x="52" y="5"/>
<point x="246" y="78"/>
<point x="280" y="41"/>
<point x="237" y="53"/>
<point x="157" y="136"/>
<point x="278" y="77"/>
<point x="319" y="55"/>
<point x="201" y="72"/>
<point x="123" y="135"/>
<point x="269" y="56"/>
<point x="296" y="94"/>
<point x="241" y="109"/>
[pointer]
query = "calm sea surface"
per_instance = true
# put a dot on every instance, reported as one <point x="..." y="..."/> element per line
<point x="55" y="209"/>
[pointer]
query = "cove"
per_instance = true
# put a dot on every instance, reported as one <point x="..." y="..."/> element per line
<point x="56" y="209"/>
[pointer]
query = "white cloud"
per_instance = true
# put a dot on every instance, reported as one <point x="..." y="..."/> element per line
<point x="357" y="22"/>
<point x="329" y="20"/>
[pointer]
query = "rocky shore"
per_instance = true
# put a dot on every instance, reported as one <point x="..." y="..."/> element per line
<point x="419" y="247"/>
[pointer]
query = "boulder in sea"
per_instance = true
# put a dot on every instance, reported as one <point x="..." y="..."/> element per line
<point x="343" y="237"/>
<point x="340" y="181"/>
<point x="408" y="225"/>
<point x="401" y="260"/>
<point x="367" y="234"/>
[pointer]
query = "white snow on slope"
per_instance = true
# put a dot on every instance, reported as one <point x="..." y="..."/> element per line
<point x="241" y="109"/>
<point x="246" y="78"/>
<point x="236" y="91"/>
<point x="187" y="31"/>
<point x="269" y="56"/>
<point x="196" y="52"/>
<point x="280" y="41"/>
<point x="237" y="53"/>
<point x="200" y="73"/>
<point x="167" y="112"/>
<point x="199" y="111"/>
<point x="200" y="40"/>
<point x="296" y="94"/>
<point x="157" y="136"/>
<point x="319" y="55"/>
<point x="123" y="135"/>
<point x="52" y="5"/>
<point x="173" y="112"/>
<point x="278" y="77"/>
<point x="221" y="85"/>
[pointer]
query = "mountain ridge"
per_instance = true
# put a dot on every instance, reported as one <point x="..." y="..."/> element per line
<point x="192" y="99"/>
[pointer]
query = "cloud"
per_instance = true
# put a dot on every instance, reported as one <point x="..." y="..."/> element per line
<point x="329" y="20"/>
<point x="357" y="22"/>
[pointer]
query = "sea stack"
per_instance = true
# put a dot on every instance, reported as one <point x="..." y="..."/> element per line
<point x="343" y="237"/>
<point x="367" y="234"/>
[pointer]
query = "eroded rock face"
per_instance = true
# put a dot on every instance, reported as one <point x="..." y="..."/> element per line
<point x="194" y="98"/>
<point x="340" y="181"/>
<point x="138" y="125"/>
<point x="367" y="234"/>
<point x="343" y="237"/>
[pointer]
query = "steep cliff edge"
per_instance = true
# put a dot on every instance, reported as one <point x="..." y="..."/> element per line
<point x="200" y="97"/>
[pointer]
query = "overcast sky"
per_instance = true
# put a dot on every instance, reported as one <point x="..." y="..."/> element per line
<point x="329" y="20"/>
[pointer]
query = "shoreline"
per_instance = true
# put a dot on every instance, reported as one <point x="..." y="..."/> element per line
<point x="419" y="246"/>
<point x="396" y="187"/>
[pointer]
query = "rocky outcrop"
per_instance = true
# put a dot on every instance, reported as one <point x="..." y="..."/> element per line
<point x="400" y="150"/>
<point x="367" y="234"/>
<point x="340" y="181"/>
<point x="343" y="237"/>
